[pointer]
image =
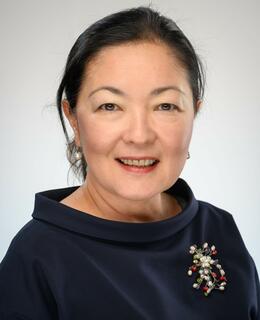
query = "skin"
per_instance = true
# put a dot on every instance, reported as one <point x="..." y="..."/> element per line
<point x="135" y="125"/>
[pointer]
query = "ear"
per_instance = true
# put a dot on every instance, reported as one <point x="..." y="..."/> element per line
<point x="198" y="106"/>
<point x="72" y="120"/>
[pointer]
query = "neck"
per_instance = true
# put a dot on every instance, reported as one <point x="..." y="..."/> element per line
<point x="95" y="201"/>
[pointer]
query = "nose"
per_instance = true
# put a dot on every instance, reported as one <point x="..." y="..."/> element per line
<point x="139" y="128"/>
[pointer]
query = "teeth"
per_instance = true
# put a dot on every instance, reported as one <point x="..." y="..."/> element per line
<point x="138" y="163"/>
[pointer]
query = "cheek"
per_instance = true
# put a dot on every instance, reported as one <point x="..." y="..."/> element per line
<point x="95" y="139"/>
<point x="177" y="138"/>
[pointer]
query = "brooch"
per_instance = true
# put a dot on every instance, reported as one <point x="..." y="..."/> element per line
<point x="210" y="273"/>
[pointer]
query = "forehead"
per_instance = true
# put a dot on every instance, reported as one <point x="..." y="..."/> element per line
<point x="137" y="66"/>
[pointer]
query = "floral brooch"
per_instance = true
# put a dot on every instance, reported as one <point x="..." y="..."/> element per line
<point x="210" y="274"/>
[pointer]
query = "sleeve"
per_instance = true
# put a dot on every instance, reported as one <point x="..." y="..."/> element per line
<point x="24" y="291"/>
<point x="253" y="278"/>
<point x="255" y="314"/>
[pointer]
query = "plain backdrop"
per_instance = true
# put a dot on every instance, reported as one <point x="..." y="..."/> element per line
<point x="35" y="39"/>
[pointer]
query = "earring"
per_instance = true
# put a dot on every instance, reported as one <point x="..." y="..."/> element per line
<point x="188" y="157"/>
<point x="78" y="154"/>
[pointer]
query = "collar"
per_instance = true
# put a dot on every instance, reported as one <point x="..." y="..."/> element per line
<point x="47" y="208"/>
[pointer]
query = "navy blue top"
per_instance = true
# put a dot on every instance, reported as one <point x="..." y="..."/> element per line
<point x="71" y="265"/>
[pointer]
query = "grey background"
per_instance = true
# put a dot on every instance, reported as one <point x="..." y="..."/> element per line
<point x="36" y="37"/>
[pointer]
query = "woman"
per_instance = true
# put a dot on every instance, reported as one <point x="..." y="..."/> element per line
<point x="131" y="242"/>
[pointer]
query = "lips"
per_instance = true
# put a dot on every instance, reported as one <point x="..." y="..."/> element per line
<point x="138" y="169"/>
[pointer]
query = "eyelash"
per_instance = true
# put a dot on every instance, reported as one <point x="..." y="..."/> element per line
<point x="169" y="104"/>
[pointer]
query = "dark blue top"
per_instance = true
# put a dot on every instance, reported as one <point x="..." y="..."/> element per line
<point x="71" y="265"/>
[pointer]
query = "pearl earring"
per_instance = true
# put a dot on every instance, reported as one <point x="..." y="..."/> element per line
<point x="78" y="155"/>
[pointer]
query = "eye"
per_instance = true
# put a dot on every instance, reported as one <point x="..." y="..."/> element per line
<point x="111" y="107"/>
<point x="169" y="107"/>
<point x="107" y="107"/>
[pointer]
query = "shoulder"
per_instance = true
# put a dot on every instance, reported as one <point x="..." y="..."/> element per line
<point x="216" y="216"/>
<point x="222" y="224"/>
<point x="209" y="208"/>
<point x="35" y="239"/>
<point x="25" y="275"/>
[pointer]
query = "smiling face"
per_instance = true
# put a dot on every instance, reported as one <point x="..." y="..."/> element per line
<point x="133" y="119"/>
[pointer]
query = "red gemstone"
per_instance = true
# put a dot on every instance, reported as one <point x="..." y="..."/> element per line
<point x="214" y="274"/>
<point x="222" y="278"/>
<point x="205" y="289"/>
<point x="193" y="268"/>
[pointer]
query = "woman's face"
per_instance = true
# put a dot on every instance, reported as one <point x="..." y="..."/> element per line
<point x="138" y="120"/>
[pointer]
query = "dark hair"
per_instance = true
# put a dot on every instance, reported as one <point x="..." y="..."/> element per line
<point x="130" y="25"/>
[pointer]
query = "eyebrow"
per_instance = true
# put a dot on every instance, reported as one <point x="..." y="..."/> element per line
<point x="154" y="92"/>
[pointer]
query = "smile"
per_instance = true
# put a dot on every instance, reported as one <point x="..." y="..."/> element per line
<point x="138" y="166"/>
